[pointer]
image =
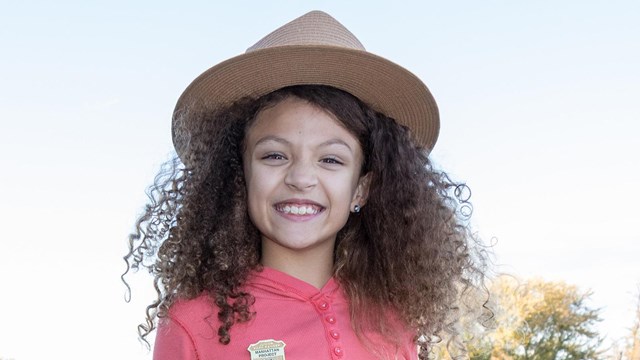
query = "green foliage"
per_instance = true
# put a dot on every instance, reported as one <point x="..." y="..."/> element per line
<point x="541" y="320"/>
<point x="562" y="328"/>
<point x="534" y="320"/>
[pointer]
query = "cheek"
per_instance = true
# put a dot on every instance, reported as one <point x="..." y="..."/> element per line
<point x="345" y="190"/>
<point x="252" y="190"/>
<point x="250" y="183"/>
<point x="259" y="187"/>
<point x="253" y="203"/>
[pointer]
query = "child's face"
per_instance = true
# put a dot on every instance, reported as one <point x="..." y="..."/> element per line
<point x="302" y="172"/>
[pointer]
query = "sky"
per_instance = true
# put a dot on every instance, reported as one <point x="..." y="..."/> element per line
<point x="539" y="116"/>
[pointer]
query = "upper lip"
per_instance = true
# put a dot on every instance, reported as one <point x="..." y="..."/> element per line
<point x="299" y="202"/>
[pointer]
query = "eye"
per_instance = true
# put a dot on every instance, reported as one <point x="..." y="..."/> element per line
<point x="273" y="156"/>
<point x="331" y="160"/>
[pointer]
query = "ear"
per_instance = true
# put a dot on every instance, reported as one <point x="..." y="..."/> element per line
<point x="362" y="191"/>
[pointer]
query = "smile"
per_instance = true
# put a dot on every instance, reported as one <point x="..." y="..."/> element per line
<point x="298" y="209"/>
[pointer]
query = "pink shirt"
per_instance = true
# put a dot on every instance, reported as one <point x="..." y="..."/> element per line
<point x="313" y="323"/>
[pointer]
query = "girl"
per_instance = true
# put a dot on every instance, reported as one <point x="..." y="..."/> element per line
<point x="303" y="217"/>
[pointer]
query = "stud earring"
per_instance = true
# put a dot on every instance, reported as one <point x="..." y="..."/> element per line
<point x="356" y="208"/>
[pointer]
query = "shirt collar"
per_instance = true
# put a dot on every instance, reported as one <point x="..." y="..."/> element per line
<point x="284" y="284"/>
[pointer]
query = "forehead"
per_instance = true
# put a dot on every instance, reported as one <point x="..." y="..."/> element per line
<point x="297" y="118"/>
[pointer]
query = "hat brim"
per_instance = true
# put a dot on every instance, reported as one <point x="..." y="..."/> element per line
<point x="380" y="83"/>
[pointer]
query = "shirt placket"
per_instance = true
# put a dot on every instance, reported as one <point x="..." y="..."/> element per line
<point x="329" y="321"/>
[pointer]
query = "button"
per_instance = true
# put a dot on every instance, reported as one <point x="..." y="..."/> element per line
<point x="338" y="351"/>
<point x="331" y="319"/>
<point x="323" y="305"/>
<point x="334" y="334"/>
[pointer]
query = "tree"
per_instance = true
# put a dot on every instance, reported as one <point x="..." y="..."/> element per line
<point x="632" y="351"/>
<point x="540" y="320"/>
<point x="534" y="320"/>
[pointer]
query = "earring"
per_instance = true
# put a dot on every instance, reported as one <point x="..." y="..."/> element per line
<point x="356" y="208"/>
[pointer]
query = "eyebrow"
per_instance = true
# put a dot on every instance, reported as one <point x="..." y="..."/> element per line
<point x="272" y="138"/>
<point x="278" y="139"/>
<point x="335" y="142"/>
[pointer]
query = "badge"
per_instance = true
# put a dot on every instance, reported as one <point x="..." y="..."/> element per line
<point x="267" y="350"/>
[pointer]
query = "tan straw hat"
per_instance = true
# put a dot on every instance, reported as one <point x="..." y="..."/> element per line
<point x="314" y="49"/>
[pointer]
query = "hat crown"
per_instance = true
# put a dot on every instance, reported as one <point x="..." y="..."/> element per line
<point x="313" y="28"/>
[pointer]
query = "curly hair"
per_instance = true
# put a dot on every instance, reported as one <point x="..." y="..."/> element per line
<point x="409" y="249"/>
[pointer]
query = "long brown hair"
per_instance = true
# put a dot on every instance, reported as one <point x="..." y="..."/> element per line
<point x="409" y="249"/>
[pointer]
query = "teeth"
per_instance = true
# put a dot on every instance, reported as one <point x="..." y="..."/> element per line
<point x="298" y="210"/>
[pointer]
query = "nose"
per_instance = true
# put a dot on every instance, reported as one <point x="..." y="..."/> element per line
<point x="301" y="175"/>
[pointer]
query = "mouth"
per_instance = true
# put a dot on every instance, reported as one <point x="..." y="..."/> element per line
<point x="298" y="208"/>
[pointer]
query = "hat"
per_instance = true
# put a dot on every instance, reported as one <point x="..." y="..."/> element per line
<point x="314" y="49"/>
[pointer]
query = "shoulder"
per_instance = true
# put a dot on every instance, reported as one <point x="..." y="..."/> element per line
<point x="196" y="309"/>
<point x="179" y="332"/>
<point x="198" y="316"/>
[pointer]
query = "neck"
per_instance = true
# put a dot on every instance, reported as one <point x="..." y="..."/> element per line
<point x="314" y="266"/>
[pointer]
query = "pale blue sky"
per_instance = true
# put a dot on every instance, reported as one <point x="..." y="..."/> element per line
<point x="540" y="116"/>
